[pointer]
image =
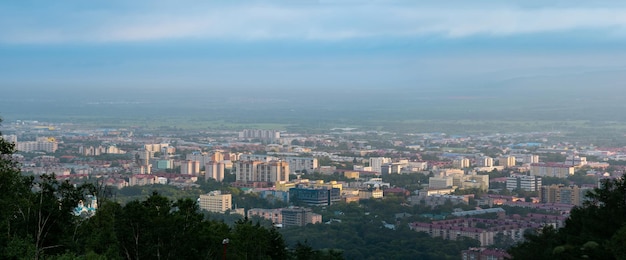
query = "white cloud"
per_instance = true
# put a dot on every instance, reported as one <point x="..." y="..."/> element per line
<point x="317" y="22"/>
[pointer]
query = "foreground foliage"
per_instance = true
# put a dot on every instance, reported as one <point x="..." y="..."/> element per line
<point x="36" y="222"/>
<point x="595" y="231"/>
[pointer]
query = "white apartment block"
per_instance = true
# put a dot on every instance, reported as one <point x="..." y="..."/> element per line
<point x="524" y="182"/>
<point x="202" y="158"/>
<point x="257" y="157"/>
<point x="45" y="144"/>
<point x="308" y="164"/>
<point x="377" y="162"/>
<point x="263" y="135"/>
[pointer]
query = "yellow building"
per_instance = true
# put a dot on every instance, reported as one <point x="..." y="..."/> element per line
<point x="284" y="186"/>
<point x="507" y="161"/>
<point x="329" y="185"/>
<point x="215" y="201"/>
<point x="371" y="194"/>
<point x="461" y="163"/>
<point x="351" y="175"/>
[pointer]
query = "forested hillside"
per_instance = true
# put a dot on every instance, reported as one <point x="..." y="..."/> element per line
<point x="36" y="222"/>
<point x="595" y="231"/>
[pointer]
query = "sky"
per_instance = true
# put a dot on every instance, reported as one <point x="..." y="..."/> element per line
<point x="304" y="44"/>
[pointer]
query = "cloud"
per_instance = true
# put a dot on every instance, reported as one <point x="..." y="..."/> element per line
<point x="306" y="22"/>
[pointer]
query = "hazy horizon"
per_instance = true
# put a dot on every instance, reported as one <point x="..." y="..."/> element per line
<point x="390" y="58"/>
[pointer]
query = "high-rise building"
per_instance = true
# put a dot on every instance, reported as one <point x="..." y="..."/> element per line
<point x="576" y="161"/>
<point x="461" y="163"/>
<point x="262" y="135"/>
<point x="217" y="156"/>
<point x="190" y="167"/>
<point x="484" y="161"/>
<point x="215" y="201"/>
<point x="46" y="144"/>
<point x="214" y="170"/>
<point x="257" y="171"/>
<point x="524" y="182"/>
<point x="377" y="162"/>
<point x="202" y="158"/>
<point x="528" y="158"/>
<point x="573" y="195"/>
<point x="302" y="164"/>
<point x="507" y="161"/>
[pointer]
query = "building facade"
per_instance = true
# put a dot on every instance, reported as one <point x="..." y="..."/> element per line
<point x="258" y="171"/>
<point x="298" y="217"/>
<point x="190" y="167"/>
<point x="302" y="164"/>
<point x="315" y="196"/>
<point x="214" y="170"/>
<point x="524" y="182"/>
<point x="562" y="194"/>
<point x="551" y="170"/>
<point x="507" y="161"/>
<point x="215" y="201"/>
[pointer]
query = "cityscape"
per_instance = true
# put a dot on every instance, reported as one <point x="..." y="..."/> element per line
<point x="492" y="189"/>
<point x="313" y="129"/>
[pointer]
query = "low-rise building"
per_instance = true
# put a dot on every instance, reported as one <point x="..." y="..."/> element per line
<point x="288" y="217"/>
<point x="315" y="196"/>
<point x="482" y="253"/>
<point x="374" y="193"/>
<point x="215" y="201"/>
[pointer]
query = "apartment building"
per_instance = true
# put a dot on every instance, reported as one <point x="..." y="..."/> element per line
<point x="214" y="170"/>
<point x="298" y="217"/>
<point x="258" y="171"/>
<point x="190" y="167"/>
<point x="215" y="201"/>
<point x="551" y="170"/>
<point x="377" y="162"/>
<point x="524" y="182"/>
<point x="302" y="164"/>
<point x="288" y="217"/>
<point x="507" y="161"/>
<point x="562" y="194"/>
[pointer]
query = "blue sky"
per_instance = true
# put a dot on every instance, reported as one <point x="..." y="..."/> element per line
<point x="304" y="43"/>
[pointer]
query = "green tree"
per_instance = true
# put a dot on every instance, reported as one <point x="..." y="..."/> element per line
<point x="594" y="231"/>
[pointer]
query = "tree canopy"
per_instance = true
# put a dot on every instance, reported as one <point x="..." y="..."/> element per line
<point x="597" y="230"/>
<point x="37" y="222"/>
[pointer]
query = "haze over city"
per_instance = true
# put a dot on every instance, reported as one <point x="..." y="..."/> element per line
<point x="312" y="129"/>
<point x="297" y="52"/>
